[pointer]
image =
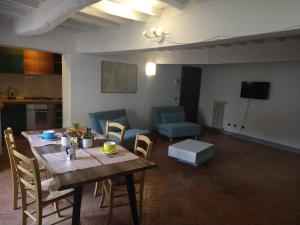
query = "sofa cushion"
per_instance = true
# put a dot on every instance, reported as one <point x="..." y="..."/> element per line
<point x="122" y="120"/>
<point x="183" y="129"/>
<point x="156" y="111"/>
<point x="172" y="117"/>
<point x="104" y="115"/>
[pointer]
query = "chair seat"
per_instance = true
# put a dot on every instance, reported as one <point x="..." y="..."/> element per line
<point x="48" y="195"/>
<point x="179" y="129"/>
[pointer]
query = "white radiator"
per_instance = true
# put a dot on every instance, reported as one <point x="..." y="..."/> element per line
<point x="218" y="114"/>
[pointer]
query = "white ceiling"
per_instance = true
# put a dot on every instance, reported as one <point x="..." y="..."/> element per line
<point x="105" y="14"/>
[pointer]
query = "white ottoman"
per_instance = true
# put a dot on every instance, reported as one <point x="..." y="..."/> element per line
<point x="191" y="151"/>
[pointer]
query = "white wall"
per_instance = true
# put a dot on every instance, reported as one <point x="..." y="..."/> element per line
<point x="271" y="50"/>
<point x="85" y="89"/>
<point x="276" y="119"/>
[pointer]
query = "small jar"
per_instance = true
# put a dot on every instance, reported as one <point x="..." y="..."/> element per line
<point x="87" y="140"/>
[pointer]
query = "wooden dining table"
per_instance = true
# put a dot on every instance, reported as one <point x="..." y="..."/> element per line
<point x="79" y="178"/>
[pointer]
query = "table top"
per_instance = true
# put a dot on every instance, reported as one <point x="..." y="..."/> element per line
<point x="90" y="175"/>
<point x="191" y="145"/>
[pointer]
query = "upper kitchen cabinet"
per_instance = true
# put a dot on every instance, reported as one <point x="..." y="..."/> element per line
<point x="11" y="60"/>
<point x="38" y="63"/>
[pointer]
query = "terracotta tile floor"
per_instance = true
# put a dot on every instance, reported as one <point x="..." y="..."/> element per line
<point x="246" y="183"/>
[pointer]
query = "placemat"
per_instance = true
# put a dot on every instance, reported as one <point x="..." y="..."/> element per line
<point x="36" y="140"/>
<point x="122" y="156"/>
<point x="59" y="163"/>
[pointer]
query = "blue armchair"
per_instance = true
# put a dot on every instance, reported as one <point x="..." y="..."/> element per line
<point x="98" y="123"/>
<point x="170" y="121"/>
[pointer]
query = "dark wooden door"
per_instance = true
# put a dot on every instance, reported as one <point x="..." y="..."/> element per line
<point x="190" y="91"/>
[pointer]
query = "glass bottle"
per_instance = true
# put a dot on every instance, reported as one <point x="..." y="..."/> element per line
<point x="73" y="138"/>
<point x="87" y="141"/>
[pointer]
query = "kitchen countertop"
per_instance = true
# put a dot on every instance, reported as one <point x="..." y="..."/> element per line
<point x="25" y="101"/>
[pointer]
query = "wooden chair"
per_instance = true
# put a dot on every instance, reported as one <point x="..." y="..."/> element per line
<point x="32" y="188"/>
<point x="116" y="130"/>
<point x="10" y="145"/>
<point x="110" y="186"/>
<point x="111" y="128"/>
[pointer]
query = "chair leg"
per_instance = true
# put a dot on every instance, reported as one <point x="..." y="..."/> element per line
<point x="39" y="217"/>
<point x="15" y="195"/>
<point x="24" y="218"/>
<point x="96" y="189"/>
<point x="103" y="195"/>
<point x="110" y="207"/>
<point x="56" y="206"/>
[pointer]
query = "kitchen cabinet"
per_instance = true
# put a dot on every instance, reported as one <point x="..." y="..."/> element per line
<point x="38" y="63"/>
<point x="14" y="116"/>
<point x="11" y="60"/>
<point x="57" y="64"/>
<point x="29" y="62"/>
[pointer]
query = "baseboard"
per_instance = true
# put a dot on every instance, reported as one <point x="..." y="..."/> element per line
<point x="257" y="140"/>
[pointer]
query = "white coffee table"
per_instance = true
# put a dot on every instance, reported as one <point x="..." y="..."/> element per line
<point x="191" y="151"/>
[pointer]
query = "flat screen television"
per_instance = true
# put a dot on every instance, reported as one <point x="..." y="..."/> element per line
<point x="256" y="90"/>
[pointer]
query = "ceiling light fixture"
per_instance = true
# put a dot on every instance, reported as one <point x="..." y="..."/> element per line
<point x="156" y="33"/>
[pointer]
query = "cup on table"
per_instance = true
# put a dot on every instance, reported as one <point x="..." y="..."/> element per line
<point x="64" y="140"/>
<point x="48" y="134"/>
<point x="71" y="153"/>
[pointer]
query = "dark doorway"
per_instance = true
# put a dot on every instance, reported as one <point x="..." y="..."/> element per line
<point x="190" y="91"/>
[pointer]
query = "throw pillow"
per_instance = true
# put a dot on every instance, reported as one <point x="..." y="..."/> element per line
<point x="122" y="120"/>
<point x="178" y="117"/>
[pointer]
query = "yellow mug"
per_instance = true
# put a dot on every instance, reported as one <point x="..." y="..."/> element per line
<point x="109" y="146"/>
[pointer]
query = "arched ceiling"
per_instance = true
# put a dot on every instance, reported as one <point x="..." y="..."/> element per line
<point x="35" y="17"/>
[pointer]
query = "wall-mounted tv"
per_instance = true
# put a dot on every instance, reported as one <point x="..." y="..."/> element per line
<point x="256" y="90"/>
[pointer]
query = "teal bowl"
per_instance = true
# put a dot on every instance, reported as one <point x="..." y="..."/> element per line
<point x="48" y="134"/>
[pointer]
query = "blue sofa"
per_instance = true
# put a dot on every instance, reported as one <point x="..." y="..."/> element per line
<point x="120" y="116"/>
<point x="170" y="121"/>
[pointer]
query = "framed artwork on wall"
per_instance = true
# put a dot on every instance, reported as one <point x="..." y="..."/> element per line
<point x="118" y="77"/>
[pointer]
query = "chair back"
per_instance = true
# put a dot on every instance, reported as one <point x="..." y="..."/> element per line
<point x="116" y="130"/>
<point x="10" y="145"/>
<point x="30" y="183"/>
<point x="144" y="148"/>
<point x="157" y="111"/>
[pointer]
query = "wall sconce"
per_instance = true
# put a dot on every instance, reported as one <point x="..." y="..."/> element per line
<point x="150" y="69"/>
<point x="156" y="33"/>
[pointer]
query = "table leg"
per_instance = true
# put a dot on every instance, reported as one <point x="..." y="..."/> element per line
<point x="132" y="198"/>
<point x="77" y="206"/>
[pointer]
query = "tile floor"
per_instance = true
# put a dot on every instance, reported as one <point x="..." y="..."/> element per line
<point x="246" y="183"/>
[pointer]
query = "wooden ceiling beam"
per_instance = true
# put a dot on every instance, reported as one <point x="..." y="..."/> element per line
<point x="178" y="4"/>
<point x="27" y="4"/>
<point x="97" y="21"/>
<point x="10" y="9"/>
<point x="92" y="11"/>
<point x="49" y="15"/>
<point x="120" y="9"/>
